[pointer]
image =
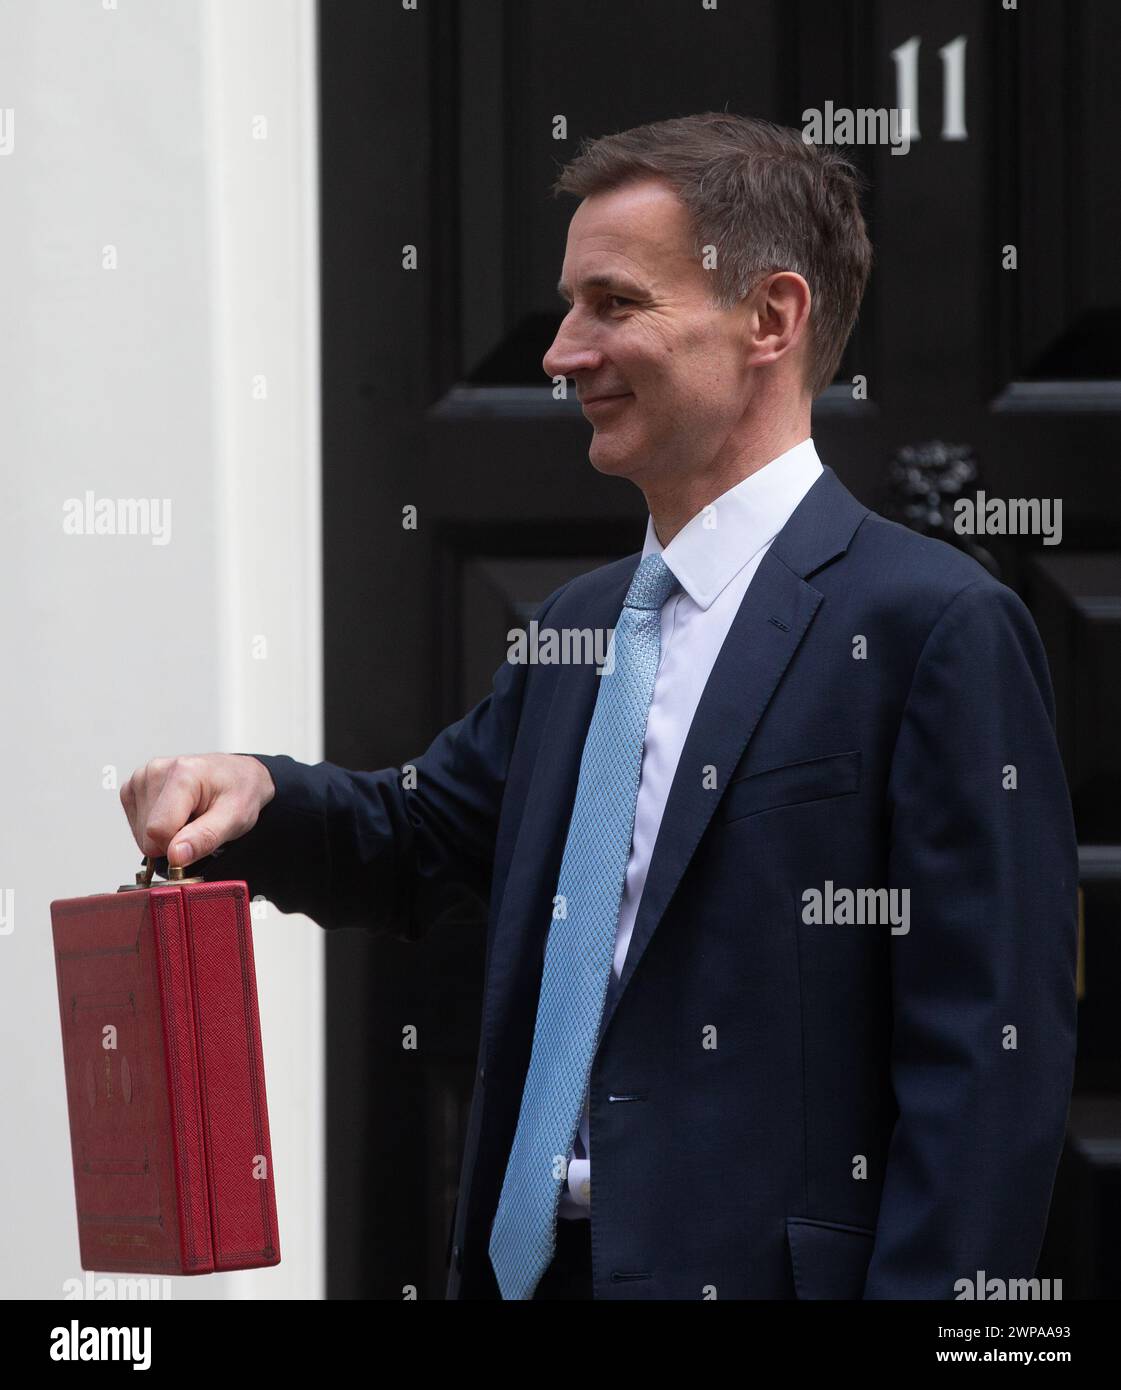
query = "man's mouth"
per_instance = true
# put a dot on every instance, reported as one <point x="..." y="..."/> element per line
<point x="605" y="402"/>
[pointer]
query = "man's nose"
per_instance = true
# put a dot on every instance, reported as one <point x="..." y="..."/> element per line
<point x="569" y="354"/>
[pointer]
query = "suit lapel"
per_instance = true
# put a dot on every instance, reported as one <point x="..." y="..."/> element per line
<point x="772" y="620"/>
<point x="774" y="616"/>
<point x="775" y="613"/>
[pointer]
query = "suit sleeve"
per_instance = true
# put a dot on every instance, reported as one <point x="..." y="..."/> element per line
<point x="984" y="1008"/>
<point x="365" y="849"/>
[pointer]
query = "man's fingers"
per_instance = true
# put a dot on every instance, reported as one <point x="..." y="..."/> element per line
<point x="180" y="797"/>
<point x="186" y="807"/>
<point x="200" y="838"/>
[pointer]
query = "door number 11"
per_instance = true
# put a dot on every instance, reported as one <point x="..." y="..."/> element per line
<point x="906" y="59"/>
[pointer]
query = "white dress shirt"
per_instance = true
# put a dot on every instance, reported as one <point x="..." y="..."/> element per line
<point x="714" y="556"/>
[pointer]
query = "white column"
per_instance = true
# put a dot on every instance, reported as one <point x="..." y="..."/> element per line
<point x="156" y="261"/>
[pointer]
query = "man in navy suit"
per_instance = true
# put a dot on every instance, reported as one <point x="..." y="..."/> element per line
<point x="814" y="1035"/>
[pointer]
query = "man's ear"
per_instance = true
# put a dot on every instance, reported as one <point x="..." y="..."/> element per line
<point x="780" y="318"/>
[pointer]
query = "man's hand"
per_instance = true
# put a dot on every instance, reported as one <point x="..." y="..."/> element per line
<point x="194" y="804"/>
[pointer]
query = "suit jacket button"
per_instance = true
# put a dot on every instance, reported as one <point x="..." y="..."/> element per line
<point x="482" y="1073"/>
<point x="457" y="1256"/>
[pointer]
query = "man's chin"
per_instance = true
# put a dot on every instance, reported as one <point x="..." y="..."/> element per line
<point x="612" y="457"/>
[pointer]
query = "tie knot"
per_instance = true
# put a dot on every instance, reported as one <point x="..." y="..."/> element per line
<point x="652" y="584"/>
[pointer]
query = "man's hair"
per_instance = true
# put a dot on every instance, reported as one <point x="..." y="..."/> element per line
<point x="764" y="198"/>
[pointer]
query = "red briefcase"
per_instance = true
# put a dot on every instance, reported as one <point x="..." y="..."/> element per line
<point x="164" y="1078"/>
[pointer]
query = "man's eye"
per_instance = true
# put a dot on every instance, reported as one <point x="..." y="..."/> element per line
<point x="618" y="299"/>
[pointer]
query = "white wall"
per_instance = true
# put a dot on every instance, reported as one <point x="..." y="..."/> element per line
<point x="134" y="129"/>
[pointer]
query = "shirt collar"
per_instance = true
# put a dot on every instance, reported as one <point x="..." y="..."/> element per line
<point x="711" y="549"/>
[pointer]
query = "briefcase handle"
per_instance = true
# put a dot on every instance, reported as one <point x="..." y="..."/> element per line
<point x="144" y="876"/>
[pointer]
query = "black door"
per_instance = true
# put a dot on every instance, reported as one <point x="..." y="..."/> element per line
<point x="457" y="491"/>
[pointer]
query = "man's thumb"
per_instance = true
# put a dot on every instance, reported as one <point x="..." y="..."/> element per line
<point x="195" y="841"/>
<point x="180" y="853"/>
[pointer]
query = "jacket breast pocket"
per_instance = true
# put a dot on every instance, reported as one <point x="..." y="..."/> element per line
<point x="816" y="779"/>
<point x="828" y="1259"/>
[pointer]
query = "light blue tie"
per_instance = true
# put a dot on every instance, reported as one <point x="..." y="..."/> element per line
<point x="581" y="943"/>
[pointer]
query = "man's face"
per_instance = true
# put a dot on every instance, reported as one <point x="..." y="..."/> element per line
<point x="641" y="328"/>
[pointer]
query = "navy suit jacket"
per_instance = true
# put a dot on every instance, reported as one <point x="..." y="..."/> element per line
<point x="779" y="1107"/>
